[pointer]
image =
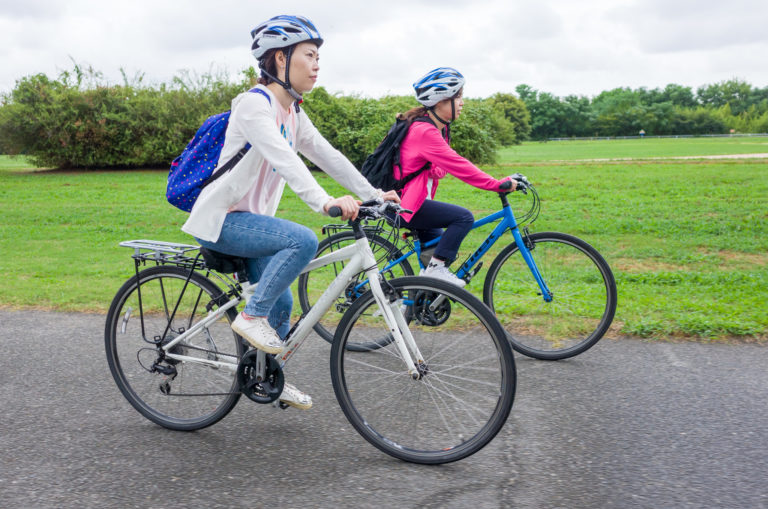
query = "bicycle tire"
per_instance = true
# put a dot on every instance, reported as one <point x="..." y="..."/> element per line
<point x="584" y="296"/>
<point x="172" y="403"/>
<point x="312" y="284"/>
<point x="462" y="400"/>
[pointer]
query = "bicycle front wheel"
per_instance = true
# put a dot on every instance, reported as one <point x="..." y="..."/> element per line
<point x="583" y="296"/>
<point x="180" y="395"/>
<point x="467" y="383"/>
<point x="312" y="284"/>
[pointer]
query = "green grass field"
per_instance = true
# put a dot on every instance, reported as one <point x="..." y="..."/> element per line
<point x="633" y="149"/>
<point x="686" y="239"/>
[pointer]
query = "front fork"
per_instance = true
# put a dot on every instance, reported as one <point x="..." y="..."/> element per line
<point x="391" y="308"/>
<point x="523" y="246"/>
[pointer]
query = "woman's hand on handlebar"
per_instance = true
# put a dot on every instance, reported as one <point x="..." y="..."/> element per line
<point x="348" y="205"/>
<point x="518" y="181"/>
<point x="391" y="196"/>
<point x="508" y="185"/>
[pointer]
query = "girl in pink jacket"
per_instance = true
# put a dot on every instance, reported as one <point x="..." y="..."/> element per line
<point x="426" y="149"/>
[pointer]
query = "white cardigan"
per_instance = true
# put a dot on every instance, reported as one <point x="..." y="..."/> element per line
<point x="253" y="120"/>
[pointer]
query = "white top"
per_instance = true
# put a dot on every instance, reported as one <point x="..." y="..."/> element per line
<point x="256" y="183"/>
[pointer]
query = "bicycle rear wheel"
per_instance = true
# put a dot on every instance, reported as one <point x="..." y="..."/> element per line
<point x="467" y="386"/>
<point x="312" y="284"/>
<point x="189" y="396"/>
<point x="583" y="290"/>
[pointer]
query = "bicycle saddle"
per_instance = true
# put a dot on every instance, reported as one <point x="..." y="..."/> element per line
<point x="221" y="262"/>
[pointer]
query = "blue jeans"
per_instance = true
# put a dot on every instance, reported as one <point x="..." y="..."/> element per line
<point x="275" y="251"/>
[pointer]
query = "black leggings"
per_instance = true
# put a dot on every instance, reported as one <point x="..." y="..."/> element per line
<point x="428" y="223"/>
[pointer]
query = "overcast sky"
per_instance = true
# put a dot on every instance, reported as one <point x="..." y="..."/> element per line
<point x="374" y="48"/>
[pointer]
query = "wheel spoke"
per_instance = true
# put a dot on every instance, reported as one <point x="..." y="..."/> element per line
<point x="457" y="402"/>
<point x="584" y="296"/>
<point x="208" y="392"/>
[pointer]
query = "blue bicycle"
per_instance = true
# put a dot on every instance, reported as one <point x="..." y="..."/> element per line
<point x="554" y="294"/>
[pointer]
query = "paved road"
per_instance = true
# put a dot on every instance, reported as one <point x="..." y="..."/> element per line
<point x="627" y="424"/>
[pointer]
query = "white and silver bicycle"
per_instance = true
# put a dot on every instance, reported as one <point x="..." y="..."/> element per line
<point x="436" y="386"/>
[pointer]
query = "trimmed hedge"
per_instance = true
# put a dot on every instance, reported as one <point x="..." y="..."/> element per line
<point x="63" y="123"/>
<point x="59" y="124"/>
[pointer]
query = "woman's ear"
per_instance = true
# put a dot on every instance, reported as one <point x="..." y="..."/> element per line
<point x="280" y="59"/>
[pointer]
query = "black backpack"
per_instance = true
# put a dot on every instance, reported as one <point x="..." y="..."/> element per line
<point x="378" y="166"/>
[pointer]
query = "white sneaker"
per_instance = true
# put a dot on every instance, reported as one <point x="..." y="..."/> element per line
<point x="426" y="256"/>
<point x="441" y="272"/>
<point x="295" y="398"/>
<point x="257" y="331"/>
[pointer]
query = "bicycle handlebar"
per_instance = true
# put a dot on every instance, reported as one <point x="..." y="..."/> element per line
<point x="372" y="209"/>
<point x="522" y="184"/>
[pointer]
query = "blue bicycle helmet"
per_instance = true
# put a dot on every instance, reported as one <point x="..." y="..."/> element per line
<point x="281" y="32"/>
<point x="437" y="85"/>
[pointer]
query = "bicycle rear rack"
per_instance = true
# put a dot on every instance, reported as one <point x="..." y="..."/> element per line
<point x="375" y="228"/>
<point x="165" y="253"/>
<point x="186" y="256"/>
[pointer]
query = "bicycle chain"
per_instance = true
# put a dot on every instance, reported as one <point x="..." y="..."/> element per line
<point x="208" y="393"/>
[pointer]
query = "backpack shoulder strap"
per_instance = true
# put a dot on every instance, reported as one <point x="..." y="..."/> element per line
<point x="257" y="90"/>
<point x="401" y="183"/>
<point x="424" y="118"/>
<point x="236" y="158"/>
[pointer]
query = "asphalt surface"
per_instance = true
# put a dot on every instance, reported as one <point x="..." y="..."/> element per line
<point x="626" y="424"/>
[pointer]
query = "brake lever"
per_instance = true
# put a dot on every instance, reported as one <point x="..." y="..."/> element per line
<point x="394" y="207"/>
<point x="521" y="179"/>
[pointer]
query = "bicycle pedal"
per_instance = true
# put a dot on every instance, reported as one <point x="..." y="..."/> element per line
<point x="279" y="404"/>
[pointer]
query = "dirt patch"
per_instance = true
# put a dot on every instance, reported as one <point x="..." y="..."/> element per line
<point x="747" y="258"/>
<point x="635" y="265"/>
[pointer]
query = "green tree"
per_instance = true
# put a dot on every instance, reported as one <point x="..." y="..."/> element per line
<point x="736" y="93"/>
<point x="579" y="117"/>
<point x="552" y="117"/>
<point x="515" y="112"/>
<point x="546" y="112"/>
<point x="679" y="96"/>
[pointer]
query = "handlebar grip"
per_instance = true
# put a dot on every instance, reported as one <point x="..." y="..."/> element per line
<point x="334" y="211"/>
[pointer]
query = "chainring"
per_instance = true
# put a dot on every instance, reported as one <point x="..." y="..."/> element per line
<point x="266" y="390"/>
<point x="424" y="315"/>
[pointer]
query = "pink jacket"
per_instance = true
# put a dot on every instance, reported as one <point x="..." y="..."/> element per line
<point x="423" y="144"/>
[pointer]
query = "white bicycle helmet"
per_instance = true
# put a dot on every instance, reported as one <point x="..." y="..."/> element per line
<point x="438" y="84"/>
<point x="281" y="32"/>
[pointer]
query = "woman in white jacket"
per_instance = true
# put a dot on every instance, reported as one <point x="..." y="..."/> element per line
<point x="235" y="214"/>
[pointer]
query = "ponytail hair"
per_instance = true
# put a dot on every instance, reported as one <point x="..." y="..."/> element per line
<point x="409" y="115"/>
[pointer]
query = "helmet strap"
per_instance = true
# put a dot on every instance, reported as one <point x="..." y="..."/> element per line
<point x="287" y="83"/>
<point x="447" y="123"/>
<point x="432" y="110"/>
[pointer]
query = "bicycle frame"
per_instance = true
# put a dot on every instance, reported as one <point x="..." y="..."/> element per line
<point x="359" y="256"/>
<point x="507" y="222"/>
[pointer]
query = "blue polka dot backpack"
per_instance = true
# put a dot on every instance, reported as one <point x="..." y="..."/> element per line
<point x="194" y="168"/>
